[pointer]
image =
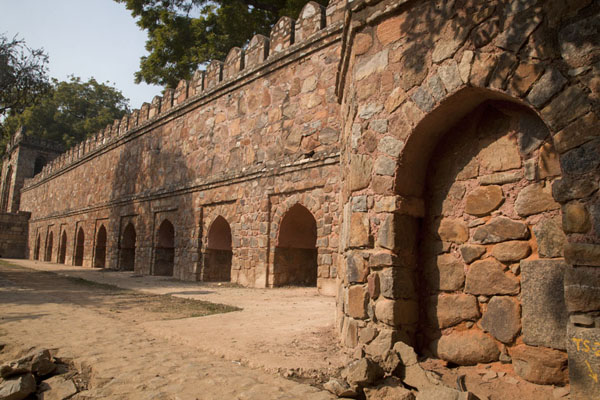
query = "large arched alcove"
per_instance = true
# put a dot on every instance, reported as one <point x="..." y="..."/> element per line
<point x="79" y="247"/>
<point x="100" y="254"/>
<point x="38" y="165"/>
<point x="36" y="250"/>
<point x="62" y="249"/>
<point x="49" y="245"/>
<point x="296" y="252"/>
<point x="218" y="253"/>
<point x="164" y="253"/>
<point x="127" y="250"/>
<point x="487" y="244"/>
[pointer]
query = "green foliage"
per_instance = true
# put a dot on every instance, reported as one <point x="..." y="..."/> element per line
<point x="23" y="76"/>
<point x="183" y="34"/>
<point x="69" y="112"/>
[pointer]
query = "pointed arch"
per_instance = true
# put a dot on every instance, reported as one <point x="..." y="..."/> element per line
<point x="164" y="252"/>
<point x="127" y="251"/>
<point x="62" y="248"/>
<point x="36" y="250"/>
<point x="295" y="260"/>
<point x="79" y="247"/>
<point x="100" y="253"/>
<point x="49" y="245"/>
<point x="218" y="254"/>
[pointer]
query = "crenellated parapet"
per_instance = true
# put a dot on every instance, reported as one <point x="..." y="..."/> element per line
<point x="286" y="34"/>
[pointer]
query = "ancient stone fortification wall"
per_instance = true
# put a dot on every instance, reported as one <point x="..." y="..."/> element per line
<point x="471" y="224"/>
<point x="246" y="140"/>
<point x="13" y="235"/>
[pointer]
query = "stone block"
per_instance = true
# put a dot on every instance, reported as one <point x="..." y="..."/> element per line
<point x="546" y="87"/>
<point x="513" y="250"/>
<point x="577" y="133"/>
<point x="578" y="41"/>
<point x="357" y="269"/>
<point x="282" y="35"/>
<point x="542" y="297"/>
<point x="362" y="372"/>
<point x="483" y="200"/>
<point x="524" y="77"/>
<point x="575" y="218"/>
<point x="569" y="105"/>
<point x="372" y="65"/>
<point x="550" y="237"/>
<point x="534" y="199"/>
<point x="385" y="166"/>
<point x="57" y="387"/>
<point x="358" y="298"/>
<point x="360" y="231"/>
<point x="487" y="277"/>
<point x="502" y="319"/>
<point x="446" y="310"/>
<point x="582" y="289"/>
<point x="531" y="133"/>
<point x="567" y="189"/>
<point x="373" y="285"/>
<point x="380" y="346"/>
<point x="500" y="155"/>
<point x="540" y="365"/>
<point x="548" y="162"/>
<point x="446" y="272"/>
<point x="471" y="252"/>
<point x="501" y="178"/>
<point x="397" y="312"/>
<point x="17" y="387"/>
<point x="388" y="390"/>
<point x="453" y="230"/>
<point x="583" y="345"/>
<point x="466" y="347"/>
<point x="360" y="171"/>
<point x="582" y="159"/>
<point x="583" y="254"/>
<point x="397" y="283"/>
<point x="500" y="229"/>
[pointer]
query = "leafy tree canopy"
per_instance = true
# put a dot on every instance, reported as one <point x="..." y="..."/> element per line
<point x="69" y="112"/>
<point x="183" y="34"/>
<point x="22" y="75"/>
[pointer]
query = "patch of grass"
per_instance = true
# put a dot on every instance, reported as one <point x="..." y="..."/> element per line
<point x="178" y="307"/>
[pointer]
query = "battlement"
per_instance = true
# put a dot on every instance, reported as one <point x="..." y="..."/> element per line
<point x="285" y="34"/>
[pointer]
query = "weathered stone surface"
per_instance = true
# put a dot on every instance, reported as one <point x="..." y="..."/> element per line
<point x="582" y="288"/>
<point x="450" y="309"/>
<point x="484" y="200"/>
<point x="395" y="99"/>
<point x="358" y="299"/>
<point x="569" y="105"/>
<point x="445" y="273"/>
<point x="519" y="28"/>
<point x="575" y="218"/>
<point x="550" y="237"/>
<point x="397" y="283"/>
<point x="450" y="76"/>
<point x="373" y="64"/>
<point x="360" y="172"/>
<point x="385" y="166"/>
<point x="583" y="362"/>
<point x="373" y="285"/>
<point x="540" y="365"/>
<point x="466" y="347"/>
<point x="453" y="230"/>
<point x="441" y="392"/>
<point x="500" y="178"/>
<point x="542" y="297"/>
<point x="532" y="133"/>
<point x="414" y="67"/>
<point x="359" y="230"/>
<point x="391" y="29"/>
<point x="39" y="362"/>
<point x="534" y="199"/>
<point x="548" y="162"/>
<point x="362" y="372"/>
<point x="380" y="346"/>
<point x="579" y="41"/>
<point x="502" y="318"/>
<point x="583" y="254"/>
<point x="564" y="190"/>
<point x="513" y="250"/>
<point x="471" y="252"/>
<point x="487" y="277"/>
<point x="362" y="43"/>
<point x="56" y="388"/>
<point x="389" y="389"/>
<point x="524" y="77"/>
<point x="500" y="229"/>
<point x="391" y="146"/>
<point x="581" y="159"/>
<point x="396" y="312"/>
<point x="500" y="155"/>
<point x="339" y="388"/>
<point x="579" y="132"/>
<point x="544" y="89"/>
<point x="17" y="387"/>
<point x="357" y="269"/>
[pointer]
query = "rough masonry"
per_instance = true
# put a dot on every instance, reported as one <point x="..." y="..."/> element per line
<point x="434" y="164"/>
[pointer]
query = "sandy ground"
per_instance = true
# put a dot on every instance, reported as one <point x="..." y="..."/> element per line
<point x="286" y="330"/>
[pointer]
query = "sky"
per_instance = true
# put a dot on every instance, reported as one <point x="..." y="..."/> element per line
<point x="85" y="38"/>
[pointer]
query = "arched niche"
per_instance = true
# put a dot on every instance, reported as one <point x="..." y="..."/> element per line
<point x="62" y="249"/>
<point x="295" y="261"/>
<point x="100" y="253"/>
<point x="164" y="252"/>
<point x="218" y="253"/>
<point x="127" y="250"/>
<point x="79" y="247"/>
<point x="49" y="245"/>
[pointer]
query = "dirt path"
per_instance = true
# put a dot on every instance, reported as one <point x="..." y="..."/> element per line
<point x="100" y="329"/>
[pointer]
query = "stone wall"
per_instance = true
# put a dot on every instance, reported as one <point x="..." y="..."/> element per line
<point x="243" y="140"/>
<point x="13" y="235"/>
<point x="441" y="234"/>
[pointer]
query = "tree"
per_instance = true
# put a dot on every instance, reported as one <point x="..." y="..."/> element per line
<point x="22" y="75"/>
<point x="70" y="111"/>
<point x="179" y="42"/>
